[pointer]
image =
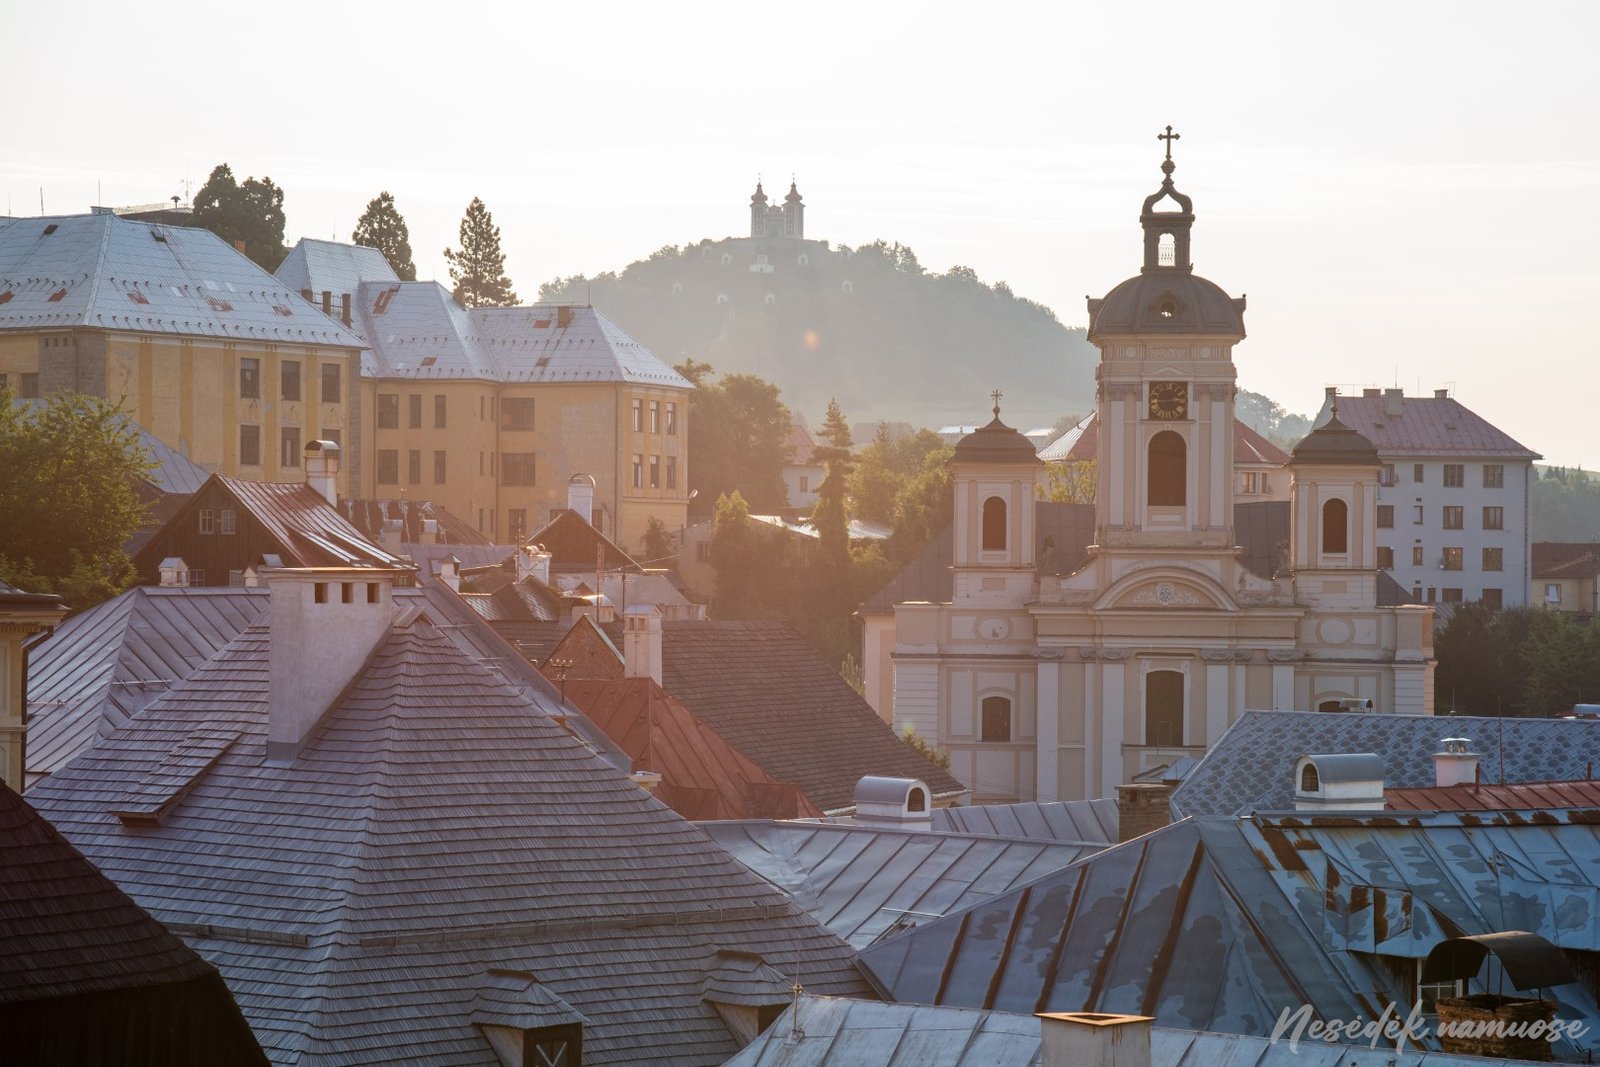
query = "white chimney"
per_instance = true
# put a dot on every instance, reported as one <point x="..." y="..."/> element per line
<point x="641" y="643"/>
<point x="1084" y="1038"/>
<point x="174" y="571"/>
<point x="533" y="561"/>
<point x="1455" y="764"/>
<point x="1394" y="402"/>
<point x="580" y="496"/>
<point x="324" y="623"/>
<point x="450" y="572"/>
<point x="322" y="469"/>
<point x="901" y="802"/>
<point x="252" y="578"/>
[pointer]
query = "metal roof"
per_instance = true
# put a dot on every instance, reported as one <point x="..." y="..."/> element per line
<point x="111" y="273"/>
<point x="173" y="472"/>
<point x="332" y="267"/>
<point x="866" y="883"/>
<point x="1251" y="767"/>
<point x="437" y="826"/>
<point x="1347" y="766"/>
<point x="1221" y="923"/>
<point x="1072" y="821"/>
<point x="1425" y="426"/>
<point x="1475" y="796"/>
<point x="838" y="1032"/>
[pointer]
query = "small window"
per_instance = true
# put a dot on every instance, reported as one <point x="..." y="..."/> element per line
<point x="517" y="468"/>
<point x="1168" y="474"/>
<point x="1454" y="475"/>
<point x="1494" y="518"/>
<point x="638" y="415"/>
<point x="250" y="378"/>
<point x="414" y="411"/>
<point x="347" y="592"/>
<point x="250" y="446"/>
<point x="388" y="411"/>
<point x="1454" y="517"/>
<point x="672" y="418"/>
<point x="331" y="382"/>
<point x="917" y="800"/>
<point x="1309" y="782"/>
<point x="655" y="416"/>
<point x="1335" y="527"/>
<point x="208" y="521"/>
<point x="228" y="521"/>
<point x="516" y="413"/>
<point x="1494" y="559"/>
<point x="333" y="436"/>
<point x="319" y="592"/>
<point x="1552" y="592"/>
<point x="655" y="472"/>
<point x="1451" y="558"/>
<point x="1416" y="555"/>
<point x="1166" y="256"/>
<point x="439" y="468"/>
<point x="289" y="379"/>
<point x="1385" y="516"/>
<point x="197" y="577"/>
<point x="994" y="525"/>
<point x="438" y="412"/>
<point x="1387" y="475"/>
<point x="373" y="596"/>
<point x="1385" y="558"/>
<point x="289" y="446"/>
<point x="1493" y="599"/>
<point x="1416" y="473"/>
<point x="1450" y="596"/>
<point x="388" y="466"/>
<point x="1248" y="482"/>
<point x="1494" y="476"/>
<point x="996" y="719"/>
<point x="638" y="471"/>
<point x="672" y="472"/>
<point x="414" y="467"/>
<point x="28" y="385"/>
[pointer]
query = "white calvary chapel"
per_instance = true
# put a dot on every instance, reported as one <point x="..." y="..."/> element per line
<point x="1058" y="650"/>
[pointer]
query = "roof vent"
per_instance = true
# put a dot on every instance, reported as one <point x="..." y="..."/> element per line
<point x="899" y="802"/>
<point x="157" y="235"/>
<point x="50" y="229"/>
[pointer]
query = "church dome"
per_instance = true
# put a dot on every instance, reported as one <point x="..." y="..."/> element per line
<point x="995" y="443"/>
<point x="1167" y="296"/>
<point x="1335" y="444"/>
<point x="759" y="197"/>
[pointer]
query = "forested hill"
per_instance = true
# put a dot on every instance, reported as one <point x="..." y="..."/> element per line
<point x="867" y="325"/>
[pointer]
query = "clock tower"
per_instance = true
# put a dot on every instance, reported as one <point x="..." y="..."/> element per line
<point x="1165" y="391"/>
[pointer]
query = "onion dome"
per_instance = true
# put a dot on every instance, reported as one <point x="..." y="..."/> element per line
<point x="1335" y="444"/>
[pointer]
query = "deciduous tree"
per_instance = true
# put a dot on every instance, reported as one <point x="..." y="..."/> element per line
<point x="738" y="436"/>
<point x="251" y="212"/>
<point x="478" y="269"/>
<point x="382" y="227"/>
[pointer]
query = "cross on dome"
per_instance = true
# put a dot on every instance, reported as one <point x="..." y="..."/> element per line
<point x="995" y="396"/>
<point x="1169" y="137"/>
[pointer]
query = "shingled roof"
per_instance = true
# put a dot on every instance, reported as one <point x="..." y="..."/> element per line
<point x="436" y="830"/>
<point x="87" y="974"/>
<point x="763" y="689"/>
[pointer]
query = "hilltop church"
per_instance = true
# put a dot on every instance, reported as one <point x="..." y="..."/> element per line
<point x="1057" y="650"/>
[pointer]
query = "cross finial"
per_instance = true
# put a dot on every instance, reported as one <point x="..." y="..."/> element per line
<point x="995" y="396"/>
<point x="1169" y="137"/>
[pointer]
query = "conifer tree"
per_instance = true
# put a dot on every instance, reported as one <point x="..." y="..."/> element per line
<point x="381" y="226"/>
<point x="831" y="517"/>
<point x="478" y="269"/>
<point x="250" y="212"/>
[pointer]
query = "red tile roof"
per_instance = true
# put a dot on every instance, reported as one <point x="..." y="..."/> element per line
<point x="1428" y="425"/>
<point x="1584" y="793"/>
<point x="1566" y="559"/>
<point x="702" y="776"/>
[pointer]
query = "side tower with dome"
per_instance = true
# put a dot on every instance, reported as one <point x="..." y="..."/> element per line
<point x="1073" y="647"/>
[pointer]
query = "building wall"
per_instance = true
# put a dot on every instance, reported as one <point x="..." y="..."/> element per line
<point x="1401" y="489"/>
<point x="1564" y="594"/>
<point x="800" y="483"/>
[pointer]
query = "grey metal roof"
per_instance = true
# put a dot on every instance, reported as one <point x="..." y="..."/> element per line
<point x="868" y="882"/>
<point x="839" y="1032"/>
<point x="1073" y="821"/>
<point x="1251" y="767"/>
<point x="417" y="330"/>
<point x="436" y="826"/>
<point x="332" y="267"/>
<point x="111" y="273"/>
<point x="173" y="472"/>
<point x="1347" y="766"/>
<point x="1221" y="923"/>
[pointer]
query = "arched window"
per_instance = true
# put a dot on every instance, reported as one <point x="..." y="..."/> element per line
<point x="917" y="800"/>
<point x="1308" y="779"/>
<point x="996" y="719"/>
<point x="1167" y="250"/>
<point x="1335" y="527"/>
<point x="994" y="525"/>
<point x="1163" y="708"/>
<point x="1331" y="705"/>
<point x="1169" y="473"/>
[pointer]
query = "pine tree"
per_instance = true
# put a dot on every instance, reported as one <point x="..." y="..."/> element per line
<point x="831" y="517"/>
<point x="478" y="270"/>
<point x="381" y="226"/>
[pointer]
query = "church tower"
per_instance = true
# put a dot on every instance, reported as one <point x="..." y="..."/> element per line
<point x="1165" y="392"/>
<point x="758" y="212"/>
<point x="993" y="472"/>
<point x="1333" y="504"/>
<point x="794" y="214"/>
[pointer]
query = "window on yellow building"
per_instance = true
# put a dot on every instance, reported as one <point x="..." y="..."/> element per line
<point x="672" y="418"/>
<point x="250" y="378"/>
<point x="331" y="381"/>
<point x="388" y="411"/>
<point x="414" y="411"/>
<point x="517" y="468"/>
<point x="289" y="379"/>
<point x="249" y="446"/>
<point x="289" y="447"/>
<point x="655" y="416"/>
<point x="438" y="468"/>
<point x="388" y="466"/>
<point x="438" y="411"/>
<point x="672" y="472"/>
<point x="516" y="413"/>
<point x="414" y="467"/>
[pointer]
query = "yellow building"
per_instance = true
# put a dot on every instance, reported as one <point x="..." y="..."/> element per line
<point x="488" y="412"/>
<point x="212" y="355"/>
<point x="22" y="617"/>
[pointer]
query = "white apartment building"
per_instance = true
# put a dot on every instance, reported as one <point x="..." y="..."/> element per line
<point x="1453" y="497"/>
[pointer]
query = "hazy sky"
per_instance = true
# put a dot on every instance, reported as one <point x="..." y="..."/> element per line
<point x="1406" y="191"/>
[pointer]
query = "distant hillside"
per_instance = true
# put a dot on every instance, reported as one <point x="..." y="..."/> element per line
<point x="867" y="325"/>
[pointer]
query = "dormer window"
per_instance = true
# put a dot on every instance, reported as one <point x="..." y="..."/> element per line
<point x="1308" y="779"/>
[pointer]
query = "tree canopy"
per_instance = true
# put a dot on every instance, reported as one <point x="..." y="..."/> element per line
<point x="1519" y="661"/>
<point x="68" y="470"/>
<point x="251" y="211"/>
<point x="478" y="268"/>
<point x="1566" y="505"/>
<point x="739" y="438"/>
<point x="381" y="226"/>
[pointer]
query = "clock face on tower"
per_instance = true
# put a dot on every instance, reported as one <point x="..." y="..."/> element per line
<point x="1169" y="400"/>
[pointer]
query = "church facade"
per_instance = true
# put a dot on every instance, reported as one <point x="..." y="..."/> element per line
<point x="1057" y="670"/>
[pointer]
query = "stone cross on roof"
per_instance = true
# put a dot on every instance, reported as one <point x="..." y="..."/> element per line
<point x="996" y="395"/>
<point x="1169" y="137"/>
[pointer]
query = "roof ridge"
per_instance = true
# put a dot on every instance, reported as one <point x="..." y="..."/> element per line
<point x="100" y="268"/>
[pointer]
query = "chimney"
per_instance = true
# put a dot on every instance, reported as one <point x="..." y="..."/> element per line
<point x="1329" y="392"/>
<point x="533" y="561"/>
<point x="901" y="802"/>
<point x="322" y="469"/>
<point x="580" y="496"/>
<point x="450" y="572"/>
<point x="1142" y="807"/>
<point x="344" y="308"/>
<point x="1085" y="1038"/>
<point x="324" y="623"/>
<point x="1371" y="394"/>
<point x="1441" y="394"/>
<point x="238" y="246"/>
<point x="641" y="643"/>
<point x="174" y="572"/>
<point x="563" y="317"/>
<point x="252" y="578"/>
<point x="311" y="297"/>
<point x="1394" y="402"/>
<point x="327" y="302"/>
<point x="1455" y="764"/>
